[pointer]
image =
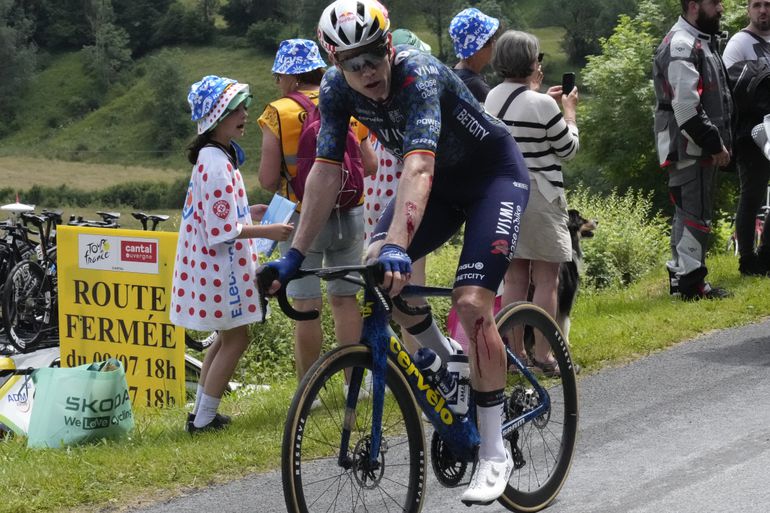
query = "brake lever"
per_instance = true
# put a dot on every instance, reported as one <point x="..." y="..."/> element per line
<point x="266" y="275"/>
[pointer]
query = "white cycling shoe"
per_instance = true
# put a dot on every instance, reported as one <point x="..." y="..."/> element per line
<point x="488" y="481"/>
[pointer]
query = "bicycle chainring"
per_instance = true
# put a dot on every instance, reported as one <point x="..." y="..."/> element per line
<point x="449" y="471"/>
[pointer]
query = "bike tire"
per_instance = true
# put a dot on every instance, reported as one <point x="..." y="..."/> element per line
<point x="314" y="480"/>
<point x="546" y="443"/>
<point x="199" y="340"/>
<point x="27" y="300"/>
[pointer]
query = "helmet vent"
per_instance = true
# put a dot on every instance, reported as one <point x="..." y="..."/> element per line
<point x="375" y="26"/>
<point x="342" y="36"/>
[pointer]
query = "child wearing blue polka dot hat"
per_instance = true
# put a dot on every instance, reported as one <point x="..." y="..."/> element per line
<point x="216" y="257"/>
<point x="473" y="36"/>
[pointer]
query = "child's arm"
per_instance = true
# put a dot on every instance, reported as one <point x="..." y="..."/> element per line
<point x="276" y="231"/>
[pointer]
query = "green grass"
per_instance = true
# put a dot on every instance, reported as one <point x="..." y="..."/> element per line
<point x="159" y="460"/>
<point x="63" y="120"/>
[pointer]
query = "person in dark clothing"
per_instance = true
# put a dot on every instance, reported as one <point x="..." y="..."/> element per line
<point x="473" y="35"/>
<point x="744" y="56"/>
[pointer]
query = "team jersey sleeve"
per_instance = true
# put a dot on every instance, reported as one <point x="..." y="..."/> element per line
<point x="422" y="90"/>
<point x="335" y="117"/>
<point x="218" y="204"/>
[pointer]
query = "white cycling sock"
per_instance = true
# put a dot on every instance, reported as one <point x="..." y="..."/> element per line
<point x="490" y="431"/>
<point x="207" y="410"/>
<point x="428" y="335"/>
<point x="198" y="394"/>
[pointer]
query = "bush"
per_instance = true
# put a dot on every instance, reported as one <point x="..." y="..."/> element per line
<point x="630" y="240"/>
<point x="181" y="25"/>
<point x="265" y="34"/>
<point x="138" y="195"/>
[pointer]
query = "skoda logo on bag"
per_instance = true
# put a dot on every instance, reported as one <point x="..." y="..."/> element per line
<point x="82" y="404"/>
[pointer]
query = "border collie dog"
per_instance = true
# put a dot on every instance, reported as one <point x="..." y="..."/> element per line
<point x="569" y="272"/>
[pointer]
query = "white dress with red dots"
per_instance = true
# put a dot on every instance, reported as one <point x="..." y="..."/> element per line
<point x="213" y="285"/>
<point x="381" y="188"/>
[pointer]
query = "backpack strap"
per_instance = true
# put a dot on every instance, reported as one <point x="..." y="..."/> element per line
<point x="307" y="105"/>
<point x="509" y="100"/>
<point x="304" y="102"/>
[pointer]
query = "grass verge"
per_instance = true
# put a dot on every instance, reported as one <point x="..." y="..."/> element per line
<point x="160" y="460"/>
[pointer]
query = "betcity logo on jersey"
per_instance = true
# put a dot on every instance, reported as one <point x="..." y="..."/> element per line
<point x="469" y="121"/>
<point x="138" y="251"/>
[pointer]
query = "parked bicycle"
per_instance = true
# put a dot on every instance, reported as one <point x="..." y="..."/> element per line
<point x="343" y="450"/>
<point x="30" y="295"/>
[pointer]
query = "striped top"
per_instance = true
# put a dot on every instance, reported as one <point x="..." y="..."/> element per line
<point x="544" y="137"/>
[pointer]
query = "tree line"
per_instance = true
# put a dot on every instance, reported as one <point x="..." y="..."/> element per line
<point x="614" y="38"/>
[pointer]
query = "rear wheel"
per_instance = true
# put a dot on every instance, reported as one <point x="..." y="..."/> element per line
<point x="316" y="478"/>
<point x="542" y="448"/>
<point x="27" y="305"/>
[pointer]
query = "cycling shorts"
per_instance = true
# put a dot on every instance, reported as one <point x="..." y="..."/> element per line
<point x="490" y="198"/>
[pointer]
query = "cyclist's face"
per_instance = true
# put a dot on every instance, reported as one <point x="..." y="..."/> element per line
<point x="367" y="72"/>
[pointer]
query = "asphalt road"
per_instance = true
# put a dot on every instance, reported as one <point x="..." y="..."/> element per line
<point x="684" y="430"/>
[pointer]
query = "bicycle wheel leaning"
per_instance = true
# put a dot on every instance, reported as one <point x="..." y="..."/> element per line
<point x="542" y="449"/>
<point x="316" y="478"/>
<point x="199" y="340"/>
<point x="27" y="305"/>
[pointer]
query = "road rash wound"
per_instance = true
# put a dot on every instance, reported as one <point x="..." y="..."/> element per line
<point x="411" y="211"/>
<point x="478" y="332"/>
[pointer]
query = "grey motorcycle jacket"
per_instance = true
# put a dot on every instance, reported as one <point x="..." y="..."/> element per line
<point x="694" y="108"/>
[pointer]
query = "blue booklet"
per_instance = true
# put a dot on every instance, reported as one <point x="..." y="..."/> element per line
<point x="279" y="210"/>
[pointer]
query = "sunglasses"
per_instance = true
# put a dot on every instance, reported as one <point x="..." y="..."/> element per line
<point x="540" y="57"/>
<point x="371" y="58"/>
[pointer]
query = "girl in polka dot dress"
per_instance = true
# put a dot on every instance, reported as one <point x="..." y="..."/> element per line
<point x="216" y="261"/>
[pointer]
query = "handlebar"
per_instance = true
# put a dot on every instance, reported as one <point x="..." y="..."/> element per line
<point x="371" y="276"/>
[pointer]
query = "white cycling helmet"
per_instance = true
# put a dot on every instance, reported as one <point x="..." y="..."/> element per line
<point x="349" y="24"/>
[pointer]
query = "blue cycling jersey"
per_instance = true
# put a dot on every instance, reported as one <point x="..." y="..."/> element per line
<point x="429" y="109"/>
<point x="480" y="177"/>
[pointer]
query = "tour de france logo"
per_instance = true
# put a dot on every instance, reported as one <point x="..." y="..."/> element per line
<point x="97" y="251"/>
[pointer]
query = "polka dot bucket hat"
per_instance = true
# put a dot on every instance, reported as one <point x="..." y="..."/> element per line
<point x="297" y="56"/>
<point x="209" y="99"/>
<point x="470" y="30"/>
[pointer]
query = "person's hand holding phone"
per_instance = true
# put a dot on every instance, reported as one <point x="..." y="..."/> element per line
<point x="567" y="82"/>
<point x="569" y="98"/>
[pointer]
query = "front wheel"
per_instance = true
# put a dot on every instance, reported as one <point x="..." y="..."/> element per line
<point x="326" y="448"/>
<point x="27" y="305"/>
<point x="542" y="448"/>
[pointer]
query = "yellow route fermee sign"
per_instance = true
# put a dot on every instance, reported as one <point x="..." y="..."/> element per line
<point x="114" y="297"/>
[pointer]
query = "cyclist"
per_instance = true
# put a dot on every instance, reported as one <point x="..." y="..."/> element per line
<point x="460" y="166"/>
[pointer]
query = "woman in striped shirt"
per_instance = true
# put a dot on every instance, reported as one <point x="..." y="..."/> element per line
<point x="546" y="137"/>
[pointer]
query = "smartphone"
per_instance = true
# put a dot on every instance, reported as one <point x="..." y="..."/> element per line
<point x="567" y="82"/>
